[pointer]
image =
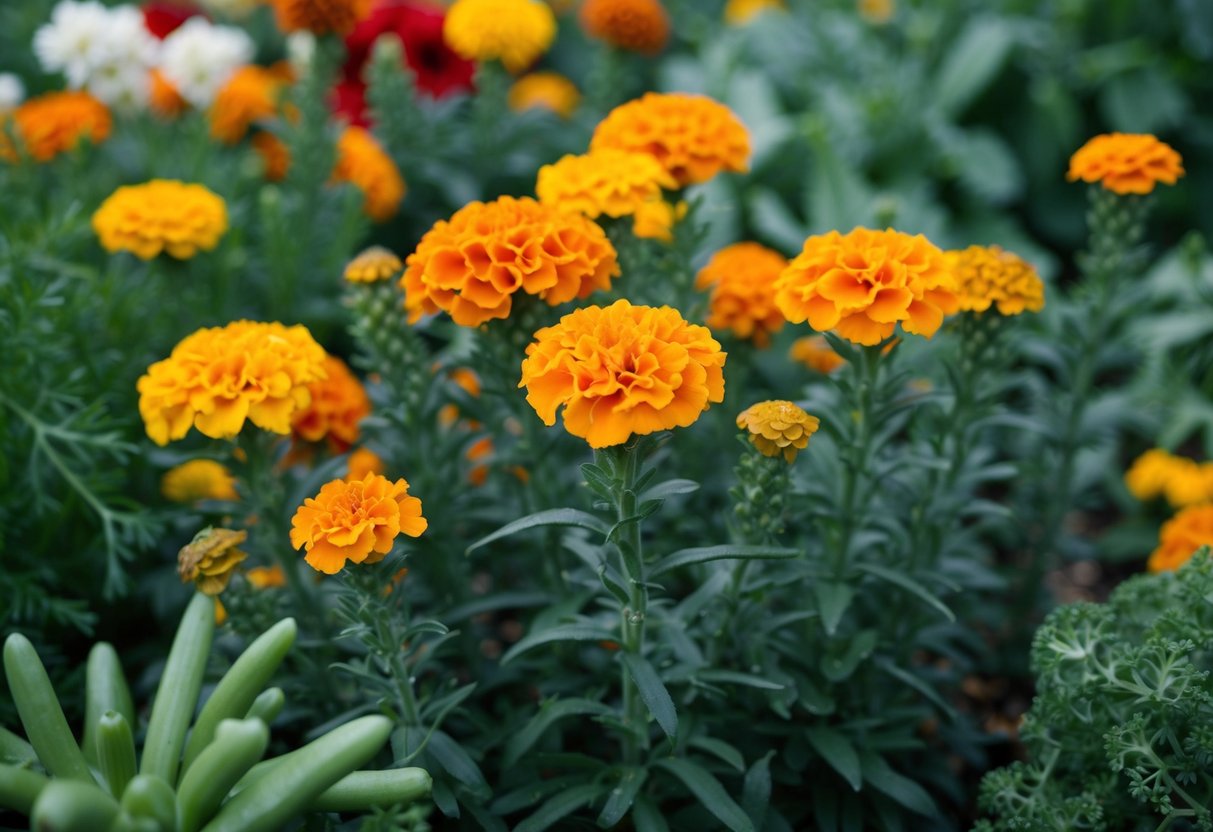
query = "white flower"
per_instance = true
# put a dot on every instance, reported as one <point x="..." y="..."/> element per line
<point x="12" y="91"/>
<point x="300" y="49"/>
<point x="71" y="43"/>
<point x="199" y="57"/>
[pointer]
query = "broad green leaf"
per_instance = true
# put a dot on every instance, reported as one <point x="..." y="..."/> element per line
<point x="838" y="751"/>
<point x="558" y="807"/>
<point x="878" y="774"/>
<point x="549" y="713"/>
<point x="732" y="677"/>
<point x="652" y="691"/>
<point x="909" y="585"/>
<point x="552" y="517"/>
<point x="622" y="796"/>
<point x="704" y="554"/>
<point x="562" y="632"/>
<point x="709" y="792"/>
<point x="976" y="57"/>
<point x="832" y="599"/>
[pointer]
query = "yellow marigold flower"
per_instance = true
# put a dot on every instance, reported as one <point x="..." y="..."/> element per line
<point x="988" y="276"/>
<point x="876" y="11"/>
<point x="545" y="90"/>
<point x="1182" y="481"/>
<point x="355" y="520"/>
<point x="1181" y="536"/>
<point x="338" y="403"/>
<point x="515" y="32"/>
<point x="618" y="183"/>
<point x="179" y="218"/>
<point x="1147" y="476"/>
<point x="218" y="377"/>
<point x="471" y="265"/>
<point x="198" y="479"/>
<point x="778" y="428"/>
<point x="635" y="25"/>
<point x="274" y="154"/>
<point x="862" y="284"/>
<point x="320" y="17"/>
<point x="622" y="370"/>
<point x="742" y="280"/>
<point x="266" y="577"/>
<point x="372" y="265"/>
<point x="1126" y="163"/>
<point x="211" y="558"/>
<point x="364" y="461"/>
<point x="249" y="96"/>
<point x="692" y="136"/>
<point x="814" y="352"/>
<point x="164" y="99"/>
<point x="56" y="123"/>
<point x="739" y="12"/>
<point x="655" y="220"/>
<point x="362" y="162"/>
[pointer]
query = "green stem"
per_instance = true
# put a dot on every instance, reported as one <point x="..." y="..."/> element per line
<point x="627" y="461"/>
<point x="860" y="451"/>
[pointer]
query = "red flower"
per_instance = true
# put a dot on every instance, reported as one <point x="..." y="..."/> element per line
<point x="161" y="17"/>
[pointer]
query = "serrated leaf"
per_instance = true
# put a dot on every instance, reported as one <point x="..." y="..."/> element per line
<point x="622" y="796"/>
<point x="652" y="691"/>
<point x="708" y="792"/>
<point x="549" y="714"/>
<point x="909" y="585"/>
<point x="562" y="632"/>
<point x="838" y="751"/>
<point x="552" y="517"/>
<point x="728" y="551"/>
<point x="832" y="599"/>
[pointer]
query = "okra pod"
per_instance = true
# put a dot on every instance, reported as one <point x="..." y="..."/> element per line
<point x="14" y="750"/>
<point x="20" y="787"/>
<point x="238" y="744"/>
<point x="105" y="690"/>
<point x="115" y="751"/>
<point x="267" y="706"/>
<point x="72" y="806"/>
<point x="148" y="798"/>
<point x="363" y="790"/>
<point x="40" y="712"/>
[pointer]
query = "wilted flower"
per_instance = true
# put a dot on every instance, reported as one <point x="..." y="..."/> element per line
<point x="211" y="558"/>
<point x="545" y="90"/>
<point x="742" y="281"/>
<point x="778" y="428"/>
<point x="814" y="352"/>
<point x="617" y="183"/>
<point x="635" y="25"/>
<point x="373" y="265"/>
<point x="339" y="402"/>
<point x="1126" y="163"/>
<point x="988" y="276"/>
<point x="515" y="32"/>
<point x="363" y="461"/>
<point x="198" y="479"/>
<point x="252" y="94"/>
<point x="738" y="12"/>
<point x="178" y="218"/>
<point x="55" y="123"/>
<point x="1181" y="536"/>
<point x="199" y="58"/>
<point x="320" y="17"/>
<point x="362" y="162"/>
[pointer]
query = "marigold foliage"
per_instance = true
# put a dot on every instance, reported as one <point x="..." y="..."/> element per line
<point x="211" y="558"/>
<point x="320" y="17"/>
<point x="862" y="284"/>
<point x="162" y="215"/>
<point x="738" y="12"/>
<point x="622" y="370"/>
<point x="1158" y="473"/>
<point x="373" y="265"/>
<point x="545" y="90"/>
<point x="198" y="479"/>
<point x="515" y="32"/>
<point x="355" y="520"/>
<point x="471" y="265"/>
<point x="1181" y="536"/>
<point x="742" y="278"/>
<point x="617" y="183"/>
<point x="338" y="403"/>
<point x="778" y="428"/>
<point x="692" y="136"/>
<point x="56" y="123"/>
<point x="250" y="95"/>
<point x="814" y="352"/>
<point x="988" y="276"/>
<point x="362" y="162"/>
<point x="1126" y="163"/>
<point x="635" y="25"/>
<point x="218" y="377"/>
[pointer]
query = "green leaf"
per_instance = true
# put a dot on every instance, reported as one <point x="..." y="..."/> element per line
<point x="837" y="750"/>
<point x="878" y="774"/>
<point x="832" y="599"/>
<point x="704" y="554"/>
<point x="721" y="750"/>
<point x="622" y="797"/>
<point x="563" y="632"/>
<point x="756" y="792"/>
<point x="908" y="678"/>
<point x="451" y="756"/>
<point x="726" y="677"/>
<point x="669" y="488"/>
<point x="859" y="647"/>
<point x="561" y="805"/>
<point x="646" y="817"/>
<point x="909" y="585"/>
<point x="775" y="220"/>
<point x="549" y="713"/>
<point x="976" y="57"/>
<point x="709" y="792"/>
<point x="552" y="517"/>
<point x="652" y="691"/>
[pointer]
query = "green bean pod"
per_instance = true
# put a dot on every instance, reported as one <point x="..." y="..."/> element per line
<point x="238" y="688"/>
<point x="72" y="806"/>
<point x="177" y="694"/>
<point x="149" y="798"/>
<point x="237" y="746"/>
<point x="115" y="751"/>
<point x="14" y="750"/>
<point x="363" y="790"/>
<point x="40" y="712"/>
<point x="20" y="787"/>
<point x="286" y="790"/>
<point x="105" y="689"/>
<point x="267" y="706"/>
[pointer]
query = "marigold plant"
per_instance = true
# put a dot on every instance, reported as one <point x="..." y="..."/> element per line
<point x="742" y="278"/>
<point x="55" y="123"/>
<point x="988" y="276"/>
<point x="198" y="479"/>
<point x="1126" y="163"/>
<point x="617" y="183"/>
<point x="373" y="265"/>
<point x="471" y="265"/>
<point x="515" y="32"/>
<point x="545" y="90"/>
<point x="362" y="162"/>
<point x="778" y="428"/>
<point x="1181" y="536"/>
<point x="211" y="558"/>
<point x="338" y="403"/>
<point x="320" y="17"/>
<point x="815" y="352"/>
<point x="162" y="215"/>
<point x="355" y="520"/>
<point x="252" y="94"/>
<point x="635" y="25"/>
<point x="622" y="370"/>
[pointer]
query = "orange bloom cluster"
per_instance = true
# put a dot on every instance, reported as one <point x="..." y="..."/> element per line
<point x="161" y="215"/>
<point x="692" y="136"/>
<point x="1183" y="481"/>
<point x="1126" y="163"/>
<point x="862" y="284"/>
<point x="373" y="265"/>
<point x="622" y="370"/>
<point x="320" y="17"/>
<point x="163" y="98"/>
<point x="471" y="265"/>
<point x="362" y="162"/>
<point x="515" y="32"/>
<point x="249" y="96"/>
<point x="814" y="352"/>
<point x="778" y="428"/>
<point x="355" y="520"/>
<point x="274" y="154"/>
<point x="1181" y="536"/>
<point x="742" y="279"/>
<point x="55" y="123"/>
<point x="198" y="479"/>
<point x="618" y="183"/>
<point x="338" y="403"/>
<point x="546" y="90"/>
<point x="266" y="577"/>
<point x="363" y="461"/>
<point x="635" y="25"/>
<point x="988" y="276"/>
<point x="218" y="377"/>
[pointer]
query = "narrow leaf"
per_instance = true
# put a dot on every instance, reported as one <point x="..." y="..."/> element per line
<point x="833" y="600"/>
<point x="685" y="557"/>
<point x="553" y="517"/>
<point x="900" y="788"/>
<point x="652" y="691"/>
<point x="550" y="713"/>
<point x="709" y="792"/>
<point x="622" y="797"/>
<point x="451" y="756"/>
<point x="563" y="632"/>
<point x="756" y="792"/>
<point x="721" y="750"/>
<point x="735" y="678"/>
<point x="669" y="488"/>
<point x="909" y="585"/>
<point x="558" y="807"/>
<point x="837" y="750"/>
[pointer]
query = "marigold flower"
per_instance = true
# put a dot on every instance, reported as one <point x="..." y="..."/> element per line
<point x="515" y="32"/>
<point x="876" y="11"/>
<point x="622" y="370"/>
<point x="987" y="276"/>
<point x="55" y="123"/>
<point x="1126" y="163"/>
<point x="814" y="352"/>
<point x="338" y="403"/>
<point x="356" y="521"/>
<point x="211" y="558"/>
<point x="198" y="479"/>
<point x="362" y="162"/>
<point x="778" y="428"/>
<point x="545" y="90"/>
<point x="218" y="377"/>
<point x="164" y="99"/>
<point x="472" y="264"/>
<point x="373" y="265"/>
<point x="319" y="17"/>
<point x="266" y="577"/>
<point x="739" y="12"/>
<point x="275" y="156"/>
<point x="1182" y="481"/>
<point x="479" y="452"/>
<point x="742" y="280"/>
<point x="692" y="136"/>
<point x="469" y="382"/>
<point x="249" y="96"/>
<point x="862" y="284"/>
<point x="1181" y="536"/>
<point x="617" y="183"/>
<point x="635" y="25"/>
<point x="363" y="461"/>
<point x="161" y="215"/>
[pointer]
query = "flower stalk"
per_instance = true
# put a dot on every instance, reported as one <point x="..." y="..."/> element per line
<point x="864" y="385"/>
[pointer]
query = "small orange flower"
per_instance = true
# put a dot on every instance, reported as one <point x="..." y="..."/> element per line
<point x="740" y="12"/>
<point x="275" y="156"/>
<point x="211" y="558"/>
<point x="515" y="32"/>
<point x="362" y="162"/>
<point x="622" y="370"/>
<point x="742" y="280"/>
<point x="163" y="215"/>
<point x="355" y="520"/>
<point x="364" y="461"/>
<point x="373" y="265"/>
<point x="778" y="428"/>
<point x="618" y="183"/>
<point x="479" y="452"/>
<point x="545" y="90"/>
<point x="1126" y="163"/>
<point x="692" y="136"/>
<point x="1182" y="481"/>
<point x="320" y="17"/>
<point x="635" y="25"/>
<point x="469" y="382"/>
<point x="814" y="352"/>
<point x="338" y="403"/>
<point x="266" y="577"/>
<point x="56" y="123"/>
<point x="163" y="98"/>
<point x="878" y="12"/>
<point x="471" y="265"/>
<point x="1181" y="536"/>
<point x="988" y="276"/>
<point x="249" y="96"/>
<point x="198" y="479"/>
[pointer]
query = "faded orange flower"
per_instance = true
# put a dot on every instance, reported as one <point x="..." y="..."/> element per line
<point x="1181" y="536"/>
<point x="545" y="90"/>
<point x="163" y="215"/>
<point x="814" y="352"/>
<point x="742" y="279"/>
<point x="211" y="558"/>
<point x="320" y="17"/>
<point x="275" y="156"/>
<point x="471" y="265"/>
<point x="778" y="428"/>
<point x="988" y="276"/>
<point x="622" y="370"/>
<point x="1126" y="163"/>
<point x="362" y="162"/>
<point x="250" y="95"/>
<point x="373" y="265"/>
<point x="55" y="123"/>
<point x="266" y="577"/>
<point x="618" y="183"/>
<point x="198" y="479"/>
<point x="364" y="461"/>
<point x="515" y="32"/>
<point x="356" y="520"/>
<point x="635" y="25"/>
<point x="338" y="403"/>
<point x="163" y="98"/>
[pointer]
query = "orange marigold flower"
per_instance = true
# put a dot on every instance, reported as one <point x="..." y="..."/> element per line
<point x="338" y="403"/>
<point x="211" y="558"/>
<point x="635" y="25"/>
<point x="469" y="382"/>
<point x="618" y="183"/>
<point x="738" y="12"/>
<point x="355" y="520"/>
<point x="478" y="452"/>
<point x="862" y="284"/>
<point x="218" y="377"/>
<point x="198" y="479"/>
<point x="876" y="11"/>
<point x="1126" y="163"/>
<point x="55" y="123"/>
<point x="163" y="98"/>
<point x="275" y="155"/>
<point x="545" y="90"/>
<point x="266" y="577"/>
<point x="988" y="276"/>
<point x="1182" y="481"/>
<point x="364" y="461"/>
<point x="692" y="136"/>
<point x="179" y="218"/>
<point x="320" y="17"/>
<point x="1181" y="536"/>
<point x="742" y="279"/>
<point x="373" y="265"/>
<point x="362" y="162"/>
<point x="622" y="370"/>
<point x="515" y="32"/>
<point x="778" y="428"/>
<point x="249" y="96"/>
<point x="814" y="352"/>
<point x="471" y="265"/>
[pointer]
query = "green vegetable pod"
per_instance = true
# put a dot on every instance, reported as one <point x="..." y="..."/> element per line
<point x="267" y="705"/>
<point x="20" y="787"/>
<point x="363" y="790"/>
<point x="40" y="712"/>
<point x="14" y="750"/>
<point x="72" y="806"/>
<point x="237" y="746"/>
<point x="115" y="751"/>
<point x="105" y="690"/>
<point x="149" y="799"/>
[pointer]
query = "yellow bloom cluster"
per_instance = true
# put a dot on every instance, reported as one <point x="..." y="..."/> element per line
<point x="1183" y="481"/>
<point x="618" y="183"/>
<point x="778" y="428"/>
<point x="1126" y="163"/>
<point x="362" y="162"/>
<point x="988" y="276"/>
<point x="545" y="90"/>
<point x="161" y="215"/>
<point x="373" y="265"/>
<point x="515" y="32"/>
<point x="742" y="280"/>
<point x="1181" y="536"/>
<point x="198" y="479"/>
